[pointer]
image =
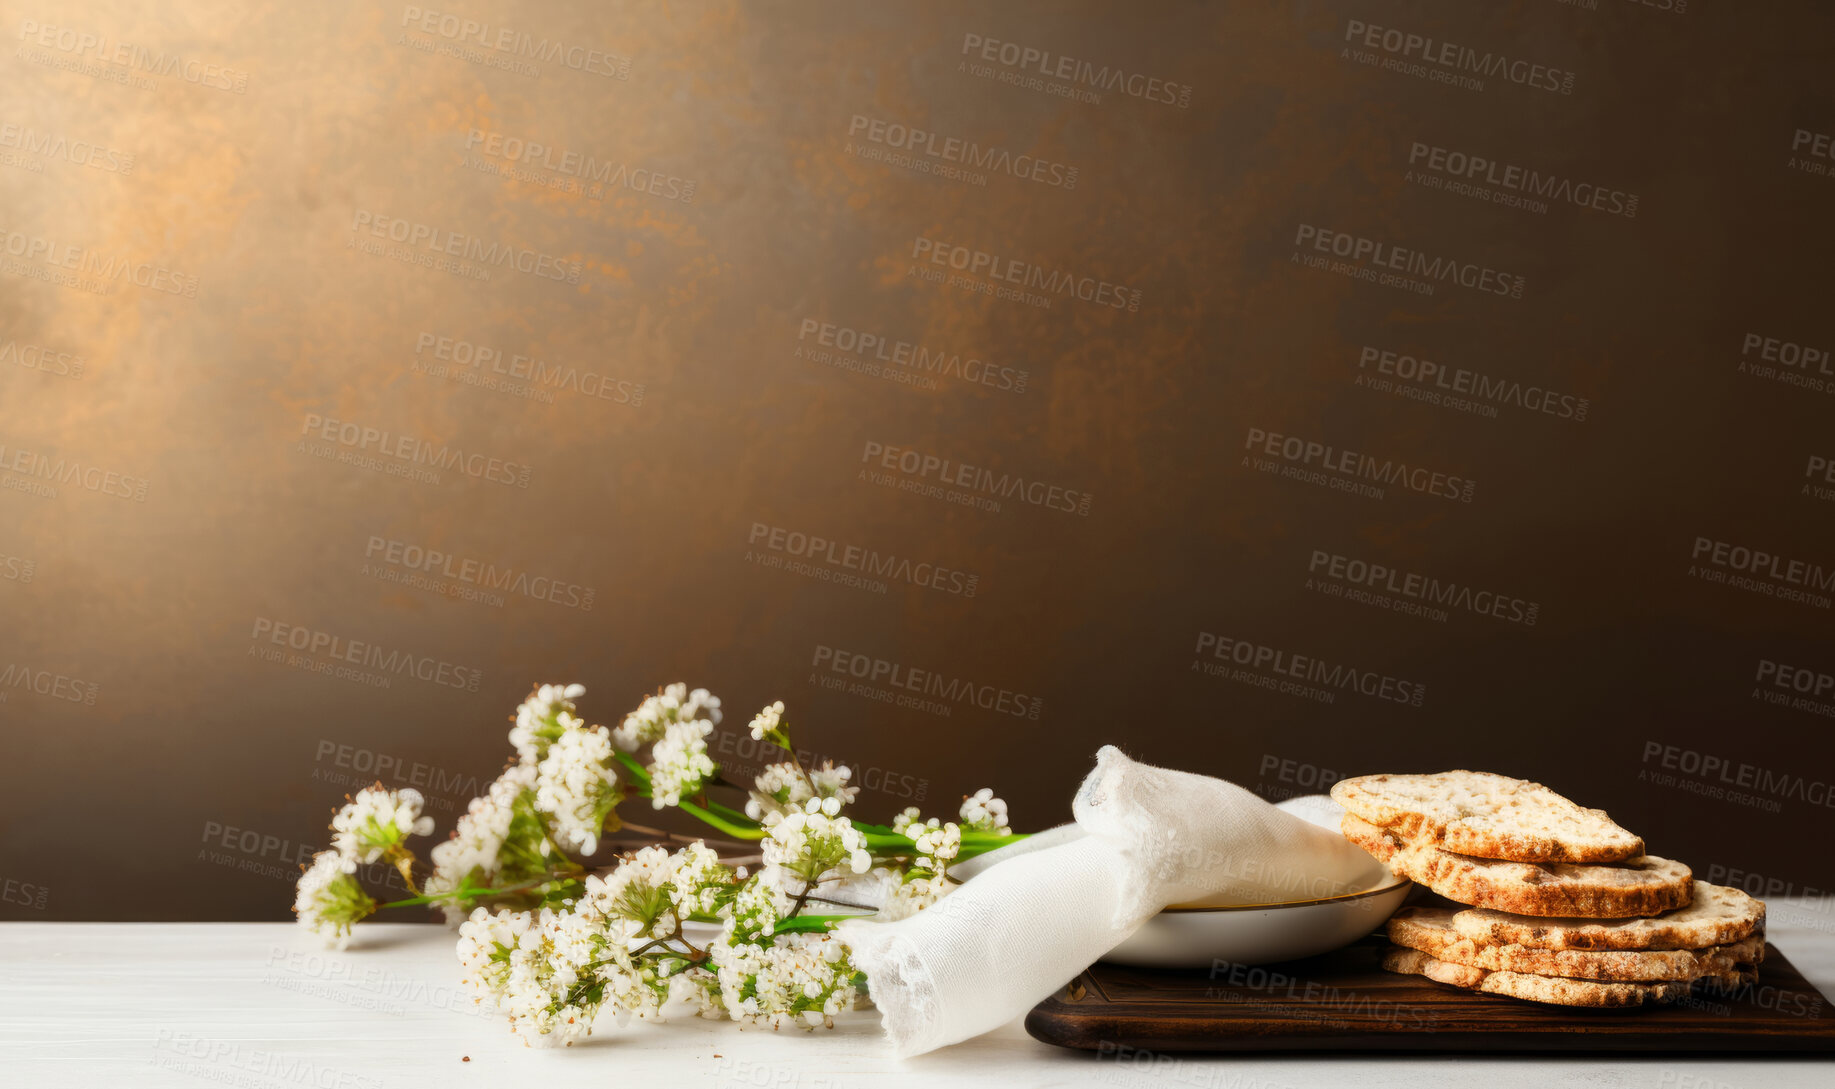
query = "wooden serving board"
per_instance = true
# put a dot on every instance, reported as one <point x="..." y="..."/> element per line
<point x="1345" y="1001"/>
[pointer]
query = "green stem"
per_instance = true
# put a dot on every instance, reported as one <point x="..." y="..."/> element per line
<point x="809" y="924"/>
<point x="753" y="833"/>
<point x="971" y="848"/>
<point x="638" y="774"/>
<point x="728" y="812"/>
<point x="468" y="891"/>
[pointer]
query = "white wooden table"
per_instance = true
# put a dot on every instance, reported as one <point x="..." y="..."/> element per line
<point x="256" y="1006"/>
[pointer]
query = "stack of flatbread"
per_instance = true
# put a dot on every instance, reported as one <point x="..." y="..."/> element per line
<point x="1565" y="906"/>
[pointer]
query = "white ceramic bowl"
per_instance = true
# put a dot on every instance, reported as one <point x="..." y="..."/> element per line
<point x="1198" y="935"/>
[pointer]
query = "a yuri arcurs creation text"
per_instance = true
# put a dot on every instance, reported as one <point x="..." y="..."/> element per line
<point x="553" y="943"/>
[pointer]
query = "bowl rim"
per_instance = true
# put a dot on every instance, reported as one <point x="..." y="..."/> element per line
<point x="1390" y="885"/>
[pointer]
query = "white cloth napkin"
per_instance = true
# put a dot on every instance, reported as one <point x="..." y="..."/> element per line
<point x="1051" y="905"/>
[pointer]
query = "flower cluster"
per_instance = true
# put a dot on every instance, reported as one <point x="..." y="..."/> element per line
<point x="653" y="717"/>
<point x="812" y="845"/>
<point x="501" y="839"/>
<point x="378" y="822"/>
<point x="373" y="826"/>
<point x="543" y="717"/>
<point x="329" y="901"/>
<point x="982" y="812"/>
<point x="784" y="788"/>
<point x="556" y="948"/>
<point x="768" y="725"/>
<point x="577" y="782"/>
<point x="800" y="980"/>
<point x="622" y="949"/>
<point x="680" y="766"/>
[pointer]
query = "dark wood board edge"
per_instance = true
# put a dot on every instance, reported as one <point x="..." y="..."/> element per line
<point x="1098" y="1023"/>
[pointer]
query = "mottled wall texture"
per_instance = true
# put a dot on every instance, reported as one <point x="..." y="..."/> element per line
<point x="1280" y="390"/>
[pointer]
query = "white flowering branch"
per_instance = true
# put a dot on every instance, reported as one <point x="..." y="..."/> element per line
<point x="553" y="945"/>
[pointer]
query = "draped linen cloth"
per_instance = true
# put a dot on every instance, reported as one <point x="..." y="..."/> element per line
<point x="1044" y="909"/>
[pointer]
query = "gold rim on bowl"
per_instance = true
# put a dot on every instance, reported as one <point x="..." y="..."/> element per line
<point x="1390" y="886"/>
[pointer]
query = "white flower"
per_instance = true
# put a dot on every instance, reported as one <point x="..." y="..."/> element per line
<point x="937" y="843"/>
<point x="329" y="901"/>
<point x="636" y="892"/>
<point x="804" y="847"/>
<point x="908" y="897"/>
<point x="803" y="980"/>
<point x="552" y="972"/>
<point x="377" y="821"/>
<point x="577" y="786"/>
<point x="766" y="723"/>
<point x="755" y="910"/>
<point x="700" y="881"/>
<point x="781" y="788"/>
<point x="654" y="715"/>
<point x="679" y="762"/>
<point x="543" y="717"/>
<point x="906" y="819"/>
<point x="489" y="839"/>
<point x="983" y="812"/>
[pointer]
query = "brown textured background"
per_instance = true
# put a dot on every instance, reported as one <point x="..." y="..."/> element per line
<point x="139" y="804"/>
